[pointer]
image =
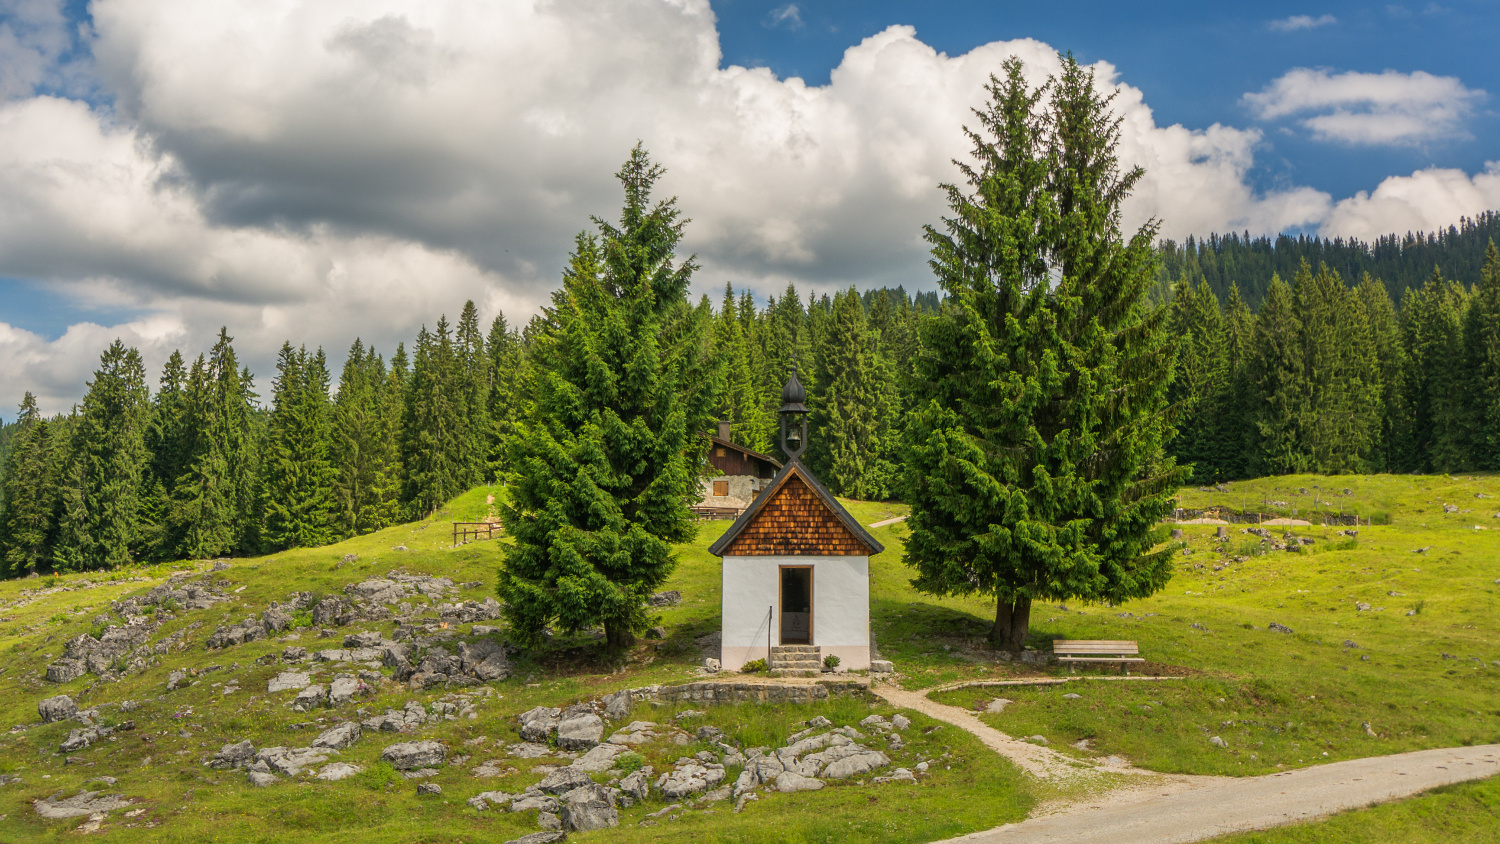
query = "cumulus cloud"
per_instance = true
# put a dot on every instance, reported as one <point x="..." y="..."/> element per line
<point x="356" y="167"/>
<point x="1427" y="200"/>
<point x="1388" y="108"/>
<point x="1296" y="22"/>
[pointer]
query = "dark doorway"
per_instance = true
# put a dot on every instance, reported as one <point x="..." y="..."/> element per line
<point x="796" y="605"/>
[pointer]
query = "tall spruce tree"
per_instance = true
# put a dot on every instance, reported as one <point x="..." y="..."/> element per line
<point x="1379" y="313"/>
<point x="506" y="360"/>
<point x="101" y="527"/>
<point x="1278" y="374"/>
<point x="435" y="442"/>
<point x="854" y="406"/>
<point x="1432" y="321"/>
<point x="167" y="442"/>
<point x="1035" y="465"/>
<point x="473" y="373"/>
<point x="213" y="502"/>
<point x="606" y="457"/>
<point x="298" y="476"/>
<point x="29" y="496"/>
<point x="1482" y="365"/>
<point x="363" y="444"/>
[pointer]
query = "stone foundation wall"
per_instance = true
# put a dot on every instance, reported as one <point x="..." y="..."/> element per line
<point x="742" y="692"/>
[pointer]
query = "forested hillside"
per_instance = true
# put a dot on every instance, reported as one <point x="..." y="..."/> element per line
<point x="1400" y="262"/>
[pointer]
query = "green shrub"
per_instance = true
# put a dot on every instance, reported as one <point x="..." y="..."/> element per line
<point x="1417" y="607"/>
<point x="753" y="666"/>
<point x="629" y="762"/>
<point x="830" y="662"/>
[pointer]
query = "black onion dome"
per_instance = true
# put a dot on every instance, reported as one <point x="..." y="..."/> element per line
<point x="793" y="392"/>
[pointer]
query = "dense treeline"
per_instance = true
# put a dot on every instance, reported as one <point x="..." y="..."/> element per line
<point x="1331" y="378"/>
<point x="202" y="467"/>
<point x="1402" y="262"/>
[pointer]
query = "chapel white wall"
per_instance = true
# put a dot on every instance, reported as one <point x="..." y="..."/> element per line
<point x="841" y="607"/>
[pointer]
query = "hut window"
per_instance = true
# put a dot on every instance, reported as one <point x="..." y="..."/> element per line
<point x="721" y="489"/>
<point x="719" y="452"/>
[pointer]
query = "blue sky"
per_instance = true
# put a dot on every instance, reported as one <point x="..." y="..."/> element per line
<point x="321" y="170"/>
<point x="1194" y="61"/>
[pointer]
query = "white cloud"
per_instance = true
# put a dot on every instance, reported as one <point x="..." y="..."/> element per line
<point x="319" y="170"/>
<point x="788" y="16"/>
<point x="1296" y="22"/>
<point x="1427" y="200"/>
<point x="1388" y="108"/>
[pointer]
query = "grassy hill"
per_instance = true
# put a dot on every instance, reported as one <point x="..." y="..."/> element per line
<point x="1421" y="667"/>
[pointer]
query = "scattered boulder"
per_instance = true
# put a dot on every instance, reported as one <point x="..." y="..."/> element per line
<point x="900" y="722"/>
<point x="638" y="784"/>
<point x="543" y="837"/>
<point x="485" y="799"/>
<point x="579" y="729"/>
<point x="787" y="781"/>
<point x="688" y="779"/>
<point x="311" y="697"/>
<point x="882" y="666"/>
<point x="338" y="771"/>
<point x="1218" y="742"/>
<point x="83" y="803"/>
<point x="288" y="681"/>
<point x="414" y="754"/>
<point x="289" y="761"/>
<point x="339" y="737"/>
<point x="65" y="671"/>
<point x="233" y="756"/>
<point x="617" y="705"/>
<point x="599" y="758"/>
<point x="176" y="680"/>
<point x="1279" y="628"/>
<point x="589" y="808"/>
<point x="261" y="779"/>
<point x="426" y="788"/>
<point x="564" y="780"/>
<point x="535" y="800"/>
<point x="1072" y="696"/>
<point x="342" y="690"/>
<point x="665" y="599"/>
<point x="539" y="724"/>
<point x="59" y="708"/>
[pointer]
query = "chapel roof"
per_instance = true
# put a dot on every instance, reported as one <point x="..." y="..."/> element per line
<point x="822" y="538"/>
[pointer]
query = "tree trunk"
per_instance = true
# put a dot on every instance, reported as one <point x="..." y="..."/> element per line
<point x="1012" y="623"/>
<point x="618" y="636"/>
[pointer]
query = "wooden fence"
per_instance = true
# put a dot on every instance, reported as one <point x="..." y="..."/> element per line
<point x="464" y="532"/>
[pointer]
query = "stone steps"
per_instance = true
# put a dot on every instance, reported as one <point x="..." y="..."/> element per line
<point x="796" y="661"/>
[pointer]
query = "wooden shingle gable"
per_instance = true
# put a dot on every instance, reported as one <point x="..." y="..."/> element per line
<point x="796" y="517"/>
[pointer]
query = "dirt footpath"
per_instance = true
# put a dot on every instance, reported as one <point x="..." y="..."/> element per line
<point x="1172" y="809"/>
<point x="1221" y="805"/>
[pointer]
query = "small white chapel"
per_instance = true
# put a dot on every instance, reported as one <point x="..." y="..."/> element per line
<point x="796" y="568"/>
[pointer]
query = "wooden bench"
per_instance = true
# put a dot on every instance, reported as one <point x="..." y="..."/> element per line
<point x="1097" y="650"/>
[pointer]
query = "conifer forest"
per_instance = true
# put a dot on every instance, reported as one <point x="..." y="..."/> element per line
<point x="1281" y="365"/>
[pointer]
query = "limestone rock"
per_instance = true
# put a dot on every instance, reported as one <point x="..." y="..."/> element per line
<point x="564" y="780"/>
<point x="535" y="800"/>
<point x="65" y="671"/>
<point x="311" y="697"/>
<point x="287" y="681"/>
<point x="589" y="808"/>
<point x="414" y="754"/>
<point x="617" y="705"/>
<point x="543" y="837"/>
<point x="342" y="690"/>
<point x="579" y="730"/>
<point x="339" y="737"/>
<point x="427" y="788"/>
<point x="338" y="771"/>
<point x="689" y="779"/>
<point x="638" y="784"/>
<point x="600" y="758"/>
<point x="787" y="781"/>
<point x="59" y="708"/>
<point x="83" y="803"/>
<point x="538" y="724"/>
<point x="233" y="756"/>
<point x="261" y="779"/>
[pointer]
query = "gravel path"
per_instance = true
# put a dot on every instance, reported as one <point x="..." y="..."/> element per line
<point x="1172" y="809"/>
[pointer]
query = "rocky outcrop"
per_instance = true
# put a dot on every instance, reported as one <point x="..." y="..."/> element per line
<point x="414" y="754"/>
<point x="233" y="756"/>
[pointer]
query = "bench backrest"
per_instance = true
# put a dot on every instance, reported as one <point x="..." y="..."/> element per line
<point x="1094" y="646"/>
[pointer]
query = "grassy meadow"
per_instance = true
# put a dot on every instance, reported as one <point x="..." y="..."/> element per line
<point x="1420" y="667"/>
